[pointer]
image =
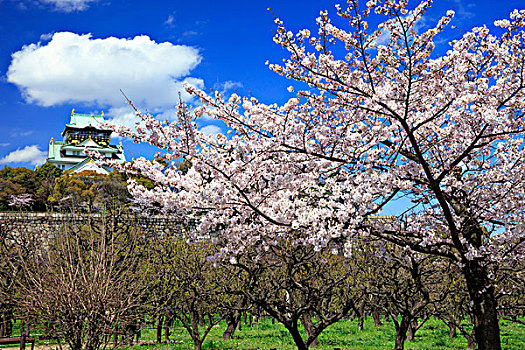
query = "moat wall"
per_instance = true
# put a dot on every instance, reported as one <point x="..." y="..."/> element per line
<point x="53" y="222"/>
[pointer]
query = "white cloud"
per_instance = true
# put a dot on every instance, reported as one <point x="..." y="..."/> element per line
<point x="169" y="21"/>
<point x="73" y="68"/>
<point x="124" y="116"/>
<point x="28" y="154"/>
<point x="383" y="38"/>
<point x="189" y="33"/>
<point x="228" y="85"/>
<point x="46" y="37"/>
<point x="211" y="130"/>
<point x="4" y="144"/>
<point x="66" y="5"/>
<point x="464" y="9"/>
<point x="17" y="133"/>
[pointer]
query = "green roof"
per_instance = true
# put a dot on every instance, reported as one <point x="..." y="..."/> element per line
<point x="56" y="146"/>
<point x="79" y="165"/>
<point x="81" y="121"/>
<point x="54" y="149"/>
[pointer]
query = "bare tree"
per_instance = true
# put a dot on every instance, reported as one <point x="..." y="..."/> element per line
<point x="189" y="287"/>
<point x="299" y="285"/>
<point x="82" y="281"/>
<point x="406" y="285"/>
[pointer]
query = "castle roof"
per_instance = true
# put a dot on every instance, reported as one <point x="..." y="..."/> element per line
<point x="85" y="135"/>
<point x="54" y="149"/>
<point x="84" y="121"/>
<point x="89" y="164"/>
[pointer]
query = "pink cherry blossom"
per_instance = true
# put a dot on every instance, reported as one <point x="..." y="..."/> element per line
<point x="378" y="121"/>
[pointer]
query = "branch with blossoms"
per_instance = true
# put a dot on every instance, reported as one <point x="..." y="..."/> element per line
<point x="379" y="121"/>
<point x="20" y="200"/>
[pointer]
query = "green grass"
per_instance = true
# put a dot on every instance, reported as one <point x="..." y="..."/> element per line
<point x="433" y="335"/>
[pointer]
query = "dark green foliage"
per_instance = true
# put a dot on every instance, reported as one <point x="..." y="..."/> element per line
<point x="52" y="189"/>
<point x="38" y="183"/>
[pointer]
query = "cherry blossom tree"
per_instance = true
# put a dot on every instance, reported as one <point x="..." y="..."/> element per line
<point x="368" y="124"/>
<point x="20" y="201"/>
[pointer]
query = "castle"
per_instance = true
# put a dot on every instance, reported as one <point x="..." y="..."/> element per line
<point x="84" y="134"/>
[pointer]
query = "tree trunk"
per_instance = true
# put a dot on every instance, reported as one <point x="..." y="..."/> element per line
<point x="92" y="341"/>
<point x="412" y="328"/>
<point x="159" y="329"/>
<point x="360" y="323"/>
<point x="401" y="334"/>
<point x="377" y="318"/>
<point x="115" y="337"/>
<point x="471" y="341"/>
<point x="484" y="307"/>
<point x="297" y="339"/>
<point x="197" y="344"/>
<point x="6" y="326"/>
<point x="130" y="331"/>
<point x="452" y="330"/>
<point x="60" y="343"/>
<point x="202" y="321"/>
<point x="232" y="321"/>
<point x="75" y="339"/>
<point x="167" y="331"/>
<point x="410" y="333"/>
<point x="229" y="332"/>
<point x="309" y="328"/>
<point x="361" y="317"/>
<point x="22" y="335"/>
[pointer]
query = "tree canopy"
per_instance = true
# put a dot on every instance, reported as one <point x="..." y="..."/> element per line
<point x="369" y="122"/>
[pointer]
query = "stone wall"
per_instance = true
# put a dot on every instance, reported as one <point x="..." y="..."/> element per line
<point x="52" y="222"/>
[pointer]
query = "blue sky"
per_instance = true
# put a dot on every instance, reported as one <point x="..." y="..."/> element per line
<point x="56" y="55"/>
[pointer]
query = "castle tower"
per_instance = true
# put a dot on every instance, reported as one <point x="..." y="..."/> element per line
<point x="83" y="133"/>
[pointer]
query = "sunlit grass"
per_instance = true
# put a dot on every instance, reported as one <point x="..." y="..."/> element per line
<point x="433" y="335"/>
<point x="344" y="334"/>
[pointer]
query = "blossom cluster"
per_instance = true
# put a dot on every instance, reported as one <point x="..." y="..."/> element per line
<point x="380" y="122"/>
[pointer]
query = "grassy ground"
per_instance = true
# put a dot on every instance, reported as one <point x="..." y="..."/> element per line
<point x="433" y="335"/>
<point x="344" y="335"/>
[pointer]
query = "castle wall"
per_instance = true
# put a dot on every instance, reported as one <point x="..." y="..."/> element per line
<point x="52" y="222"/>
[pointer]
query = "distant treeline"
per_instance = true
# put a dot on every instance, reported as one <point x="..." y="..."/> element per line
<point x="48" y="188"/>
